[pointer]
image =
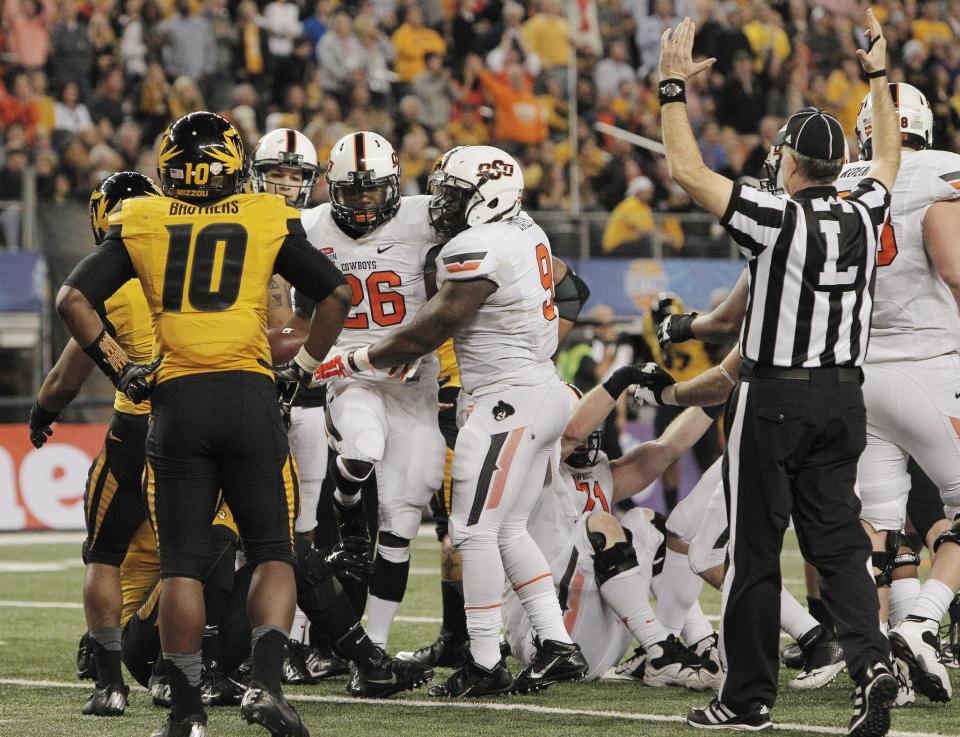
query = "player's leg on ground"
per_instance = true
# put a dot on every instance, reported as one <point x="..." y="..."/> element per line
<point x="678" y="586"/>
<point x="670" y="478"/>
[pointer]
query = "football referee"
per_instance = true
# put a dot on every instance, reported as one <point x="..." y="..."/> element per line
<point x="796" y="421"/>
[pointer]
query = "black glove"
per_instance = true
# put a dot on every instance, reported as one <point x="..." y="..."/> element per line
<point x="351" y="558"/>
<point x="40" y="421"/>
<point x="624" y="377"/>
<point x="291" y="377"/>
<point x="676" y="328"/>
<point x="651" y="383"/>
<point x="133" y="380"/>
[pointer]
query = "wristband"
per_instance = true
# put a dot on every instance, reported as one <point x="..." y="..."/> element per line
<point x="108" y="355"/>
<point x="672" y="90"/>
<point x="359" y="359"/>
<point x="618" y="382"/>
<point x="307" y="362"/>
<point x="41" y="417"/>
<point x="877" y="73"/>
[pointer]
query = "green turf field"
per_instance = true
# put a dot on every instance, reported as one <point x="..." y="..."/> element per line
<point x="41" y="621"/>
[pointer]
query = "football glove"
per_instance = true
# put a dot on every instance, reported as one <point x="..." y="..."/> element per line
<point x="134" y="380"/>
<point x="294" y="374"/>
<point x="651" y="382"/>
<point x="40" y="422"/>
<point x="624" y="377"/>
<point x="340" y="363"/>
<point x="351" y="558"/>
<point x="676" y="328"/>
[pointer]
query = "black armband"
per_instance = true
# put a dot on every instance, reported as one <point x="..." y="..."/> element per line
<point x="672" y="90"/>
<point x="876" y="74"/>
<point x="715" y="411"/>
<point x="570" y="295"/>
<point x="40" y="417"/>
<point x="303" y="305"/>
<point x="108" y="355"/>
<point x="619" y="381"/>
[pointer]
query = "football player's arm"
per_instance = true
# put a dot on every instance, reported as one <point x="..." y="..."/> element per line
<point x="302" y="311"/>
<point x="641" y="466"/>
<point x="686" y="165"/>
<point x="724" y="321"/>
<point x="279" y="307"/>
<point x="570" y="294"/>
<point x="453" y="306"/>
<point x="710" y="388"/>
<point x="940" y="227"/>
<point x="312" y="273"/>
<point x="59" y="389"/>
<point x="885" y="161"/>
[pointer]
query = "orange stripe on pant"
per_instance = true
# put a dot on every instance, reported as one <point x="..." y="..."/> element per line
<point x="504" y="463"/>
<point x="481" y="607"/>
<point x="532" y="580"/>
<point x="576" y="588"/>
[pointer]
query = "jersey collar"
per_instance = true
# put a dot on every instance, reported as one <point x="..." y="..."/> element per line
<point x="812" y="193"/>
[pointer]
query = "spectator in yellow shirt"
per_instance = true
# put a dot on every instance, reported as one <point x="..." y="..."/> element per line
<point x="469" y="129"/>
<point x="930" y="28"/>
<point x="630" y="227"/>
<point x="845" y="92"/>
<point x="412" y="41"/>
<point x="767" y="38"/>
<point x="545" y="34"/>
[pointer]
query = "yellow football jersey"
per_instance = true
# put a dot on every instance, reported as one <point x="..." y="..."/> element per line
<point x="128" y="312"/>
<point x="205" y="271"/>
<point x="449" y="371"/>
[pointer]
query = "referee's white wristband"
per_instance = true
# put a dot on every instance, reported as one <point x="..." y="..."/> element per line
<point x="727" y="376"/>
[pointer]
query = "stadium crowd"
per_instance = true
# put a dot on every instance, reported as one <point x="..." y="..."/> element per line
<point x="88" y="85"/>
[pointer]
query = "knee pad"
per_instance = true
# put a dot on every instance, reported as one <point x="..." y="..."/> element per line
<point x="950" y="536"/>
<point x="614" y="560"/>
<point x="139" y="648"/>
<point x="892" y="558"/>
<point x="393" y="548"/>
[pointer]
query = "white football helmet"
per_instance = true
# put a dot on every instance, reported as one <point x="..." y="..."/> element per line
<point x="772" y="176"/>
<point x="364" y="179"/>
<point x="285" y="147"/>
<point x="471" y="185"/>
<point x="913" y="111"/>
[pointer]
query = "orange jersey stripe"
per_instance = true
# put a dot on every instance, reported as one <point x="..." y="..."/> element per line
<point x="467" y="266"/>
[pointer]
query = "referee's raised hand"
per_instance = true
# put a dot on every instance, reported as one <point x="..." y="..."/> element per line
<point x="676" y="53"/>
<point x="874" y="57"/>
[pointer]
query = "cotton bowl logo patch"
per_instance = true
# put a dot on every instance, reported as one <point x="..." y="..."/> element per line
<point x="502" y="411"/>
<point x="330" y="252"/>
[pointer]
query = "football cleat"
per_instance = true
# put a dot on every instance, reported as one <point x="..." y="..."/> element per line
<point x="86" y="665"/>
<point x="717" y="716"/>
<point x="445" y="652"/>
<point x="709" y="651"/>
<point x="554" y="662"/>
<point x="951" y="651"/>
<point x="822" y="659"/>
<point x="474" y="680"/>
<point x="273" y="713"/>
<point x="914" y="640"/>
<point x="386" y="676"/>
<point x="192" y="726"/>
<point x="791" y="655"/>
<point x="631" y="669"/>
<point x="906" y="695"/>
<point x="158" y="685"/>
<point x="872" y="701"/>
<point x="295" y="671"/>
<point x="242" y="673"/>
<point x="107" y="701"/>
<point x="669" y="663"/>
<point x="216" y="689"/>
<point x="325" y="664"/>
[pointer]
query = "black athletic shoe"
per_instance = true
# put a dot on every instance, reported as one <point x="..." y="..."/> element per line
<point x="950" y="650"/>
<point x="86" y="665"/>
<point x="445" y="652"/>
<point x="386" y="676"/>
<point x="872" y="701"/>
<point x="473" y="680"/>
<point x="323" y="664"/>
<point x="295" y="671"/>
<point x="193" y="726"/>
<point x="158" y="685"/>
<point x="242" y="674"/>
<point x="791" y="655"/>
<point x="273" y="713"/>
<point x="717" y="716"/>
<point x="216" y="689"/>
<point x="554" y="662"/>
<point x="107" y="701"/>
<point x="822" y="659"/>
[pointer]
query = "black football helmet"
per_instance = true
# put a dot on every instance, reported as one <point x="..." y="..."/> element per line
<point x="201" y="159"/>
<point x="120" y="186"/>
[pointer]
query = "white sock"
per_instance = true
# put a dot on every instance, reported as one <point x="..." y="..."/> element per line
<point x="676" y="588"/>
<point x="629" y="596"/>
<point x="528" y="572"/>
<point x="697" y="626"/>
<point x="301" y="627"/>
<point x="933" y="600"/>
<point x="347" y="500"/>
<point x="380" y="614"/>
<point x="903" y="593"/>
<point x="483" y="598"/>
<point x="794" y="619"/>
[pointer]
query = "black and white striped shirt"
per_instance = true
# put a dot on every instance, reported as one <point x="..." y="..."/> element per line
<point x="812" y="266"/>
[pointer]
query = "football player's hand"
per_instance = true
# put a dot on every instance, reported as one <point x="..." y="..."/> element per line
<point x="340" y="363"/>
<point x="294" y="374"/>
<point x="651" y="381"/>
<point x="351" y="558"/>
<point x="676" y="328"/>
<point x="406" y="372"/>
<point x="134" y="381"/>
<point x="40" y="422"/>
<point x="874" y="57"/>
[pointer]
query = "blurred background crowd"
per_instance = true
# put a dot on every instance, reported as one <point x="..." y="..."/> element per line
<point x="87" y="85"/>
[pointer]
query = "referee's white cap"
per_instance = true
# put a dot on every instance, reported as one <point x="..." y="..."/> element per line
<point x="814" y="133"/>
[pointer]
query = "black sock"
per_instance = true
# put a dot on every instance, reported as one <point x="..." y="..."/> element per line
<point x="183" y="675"/>
<point x="454" y="615"/>
<point x="670" y="494"/>
<point x="210" y="645"/>
<point x="269" y="648"/>
<point x="106" y="656"/>
<point x="356" y="646"/>
<point x="336" y="618"/>
<point x="819" y="612"/>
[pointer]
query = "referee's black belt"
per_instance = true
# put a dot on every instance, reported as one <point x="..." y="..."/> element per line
<point x="838" y="374"/>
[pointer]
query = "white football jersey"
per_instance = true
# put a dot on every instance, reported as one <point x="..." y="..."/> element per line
<point x="514" y="333"/>
<point x="571" y="493"/>
<point x="384" y="268"/>
<point x="914" y="313"/>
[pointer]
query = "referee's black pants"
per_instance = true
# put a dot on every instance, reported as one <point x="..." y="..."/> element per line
<point x="792" y="449"/>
